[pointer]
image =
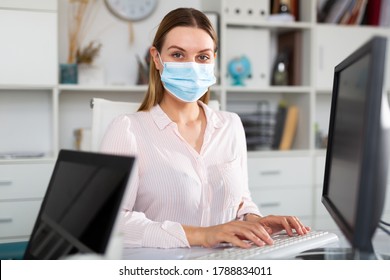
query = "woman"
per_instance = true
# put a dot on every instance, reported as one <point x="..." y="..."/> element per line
<point x="190" y="186"/>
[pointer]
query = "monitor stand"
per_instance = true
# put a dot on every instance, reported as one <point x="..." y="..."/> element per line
<point x="339" y="254"/>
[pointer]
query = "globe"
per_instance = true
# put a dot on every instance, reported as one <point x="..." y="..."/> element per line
<point x="239" y="69"/>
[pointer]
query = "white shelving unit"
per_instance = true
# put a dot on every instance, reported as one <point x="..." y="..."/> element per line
<point x="39" y="115"/>
<point x="28" y="111"/>
<point x="74" y="106"/>
<point x="288" y="182"/>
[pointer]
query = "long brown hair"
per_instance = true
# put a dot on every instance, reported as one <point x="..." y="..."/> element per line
<point x="187" y="17"/>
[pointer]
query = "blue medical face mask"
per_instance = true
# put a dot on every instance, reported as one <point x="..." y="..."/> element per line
<point x="188" y="81"/>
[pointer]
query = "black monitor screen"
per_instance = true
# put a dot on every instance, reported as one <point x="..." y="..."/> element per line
<point x="356" y="166"/>
<point x="347" y="140"/>
<point x="81" y="204"/>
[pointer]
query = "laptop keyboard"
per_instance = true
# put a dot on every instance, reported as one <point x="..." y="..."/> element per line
<point x="284" y="247"/>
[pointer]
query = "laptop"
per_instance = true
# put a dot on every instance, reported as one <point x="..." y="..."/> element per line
<point x="78" y="215"/>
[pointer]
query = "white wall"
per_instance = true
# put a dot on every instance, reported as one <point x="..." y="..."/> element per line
<point x="117" y="54"/>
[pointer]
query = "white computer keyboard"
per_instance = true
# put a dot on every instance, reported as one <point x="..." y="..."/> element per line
<point x="284" y="247"/>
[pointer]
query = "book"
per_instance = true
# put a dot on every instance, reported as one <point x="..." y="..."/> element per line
<point x="384" y="17"/>
<point x="294" y="8"/>
<point x="348" y="12"/>
<point x="289" y="129"/>
<point x="275" y="5"/>
<point x="337" y="11"/>
<point x="357" y="13"/>
<point x="279" y="124"/>
<point x="83" y="139"/>
<point x="324" y="9"/>
<point x="373" y="12"/>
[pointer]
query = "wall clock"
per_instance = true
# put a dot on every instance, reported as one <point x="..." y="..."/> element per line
<point x="131" y="10"/>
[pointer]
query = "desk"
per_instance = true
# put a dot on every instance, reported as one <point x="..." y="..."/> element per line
<point x="381" y="243"/>
<point x="342" y="249"/>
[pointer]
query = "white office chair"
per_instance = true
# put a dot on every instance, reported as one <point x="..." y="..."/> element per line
<point x="214" y="104"/>
<point x="104" y="111"/>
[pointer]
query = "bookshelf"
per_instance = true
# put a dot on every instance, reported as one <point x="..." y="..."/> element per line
<point x="317" y="48"/>
<point x="28" y="111"/>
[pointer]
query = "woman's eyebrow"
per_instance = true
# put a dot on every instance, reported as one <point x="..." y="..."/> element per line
<point x="181" y="49"/>
<point x="176" y="47"/>
<point x="207" y="50"/>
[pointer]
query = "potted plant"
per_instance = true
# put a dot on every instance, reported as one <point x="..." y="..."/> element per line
<point x="80" y="15"/>
<point x="88" y="71"/>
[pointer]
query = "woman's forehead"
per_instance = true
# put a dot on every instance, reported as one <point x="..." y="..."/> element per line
<point x="188" y="38"/>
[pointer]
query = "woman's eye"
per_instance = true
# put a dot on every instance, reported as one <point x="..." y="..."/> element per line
<point x="177" y="55"/>
<point x="203" y="58"/>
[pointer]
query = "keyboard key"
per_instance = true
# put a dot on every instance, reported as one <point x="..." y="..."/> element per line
<point x="284" y="247"/>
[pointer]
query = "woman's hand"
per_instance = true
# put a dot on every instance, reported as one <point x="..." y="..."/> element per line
<point x="234" y="232"/>
<point x="255" y="228"/>
<point x="274" y="224"/>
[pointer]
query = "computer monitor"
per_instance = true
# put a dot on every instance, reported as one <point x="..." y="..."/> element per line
<point x="357" y="155"/>
<point x="78" y="213"/>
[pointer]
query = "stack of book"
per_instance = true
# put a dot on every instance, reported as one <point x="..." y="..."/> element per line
<point x="271" y="130"/>
<point x="354" y="12"/>
<point x="259" y="126"/>
<point x="259" y="129"/>
<point x="285" y="126"/>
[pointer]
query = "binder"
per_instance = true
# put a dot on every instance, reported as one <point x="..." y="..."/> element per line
<point x="279" y="125"/>
<point x="289" y="129"/>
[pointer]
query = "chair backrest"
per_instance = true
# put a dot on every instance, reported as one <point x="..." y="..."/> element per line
<point x="104" y="111"/>
<point x="214" y="104"/>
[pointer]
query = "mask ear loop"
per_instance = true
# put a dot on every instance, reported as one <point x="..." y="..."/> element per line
<point x="162" y="63"/>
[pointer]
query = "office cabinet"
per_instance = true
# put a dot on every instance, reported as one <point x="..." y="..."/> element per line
<point x="39" y="5"/>
<point x="322" y="218"/>
<point x="28" y="49"/>
<point x="28" y="122"/>
<point x="17" y="219"/>
<point x="334" y="43"/>
<point x="22" y="186"/>
<point x="21" y="181"/>
<point x="282" y="185"/>
<point x="246" y="31"/>
<point x="322" y="47"/>
<point x="28" y="111"/>
<point x="279" y="171"/>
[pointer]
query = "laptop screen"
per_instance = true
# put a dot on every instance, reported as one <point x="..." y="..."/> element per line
<point x="80" y="206"/>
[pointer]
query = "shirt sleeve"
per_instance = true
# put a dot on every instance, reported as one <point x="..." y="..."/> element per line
<point x="137" y="229"/>
<point x="247" y="206"/>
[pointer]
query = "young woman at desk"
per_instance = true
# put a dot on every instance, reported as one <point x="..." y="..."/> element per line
<point x="190" y="186"/>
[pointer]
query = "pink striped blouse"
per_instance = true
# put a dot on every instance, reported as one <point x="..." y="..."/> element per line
<point x="172" y="184"/>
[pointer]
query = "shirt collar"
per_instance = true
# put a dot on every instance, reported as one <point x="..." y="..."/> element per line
<point x="162" y="120"/>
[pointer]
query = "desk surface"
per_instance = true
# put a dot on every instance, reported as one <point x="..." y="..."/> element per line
<point x="381" y="243"/>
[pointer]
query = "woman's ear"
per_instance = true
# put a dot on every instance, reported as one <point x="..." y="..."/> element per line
<point x="154" y="54"/>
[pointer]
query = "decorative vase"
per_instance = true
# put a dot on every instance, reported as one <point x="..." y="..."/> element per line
<point x="68" y="73"/>
<point x="90" y="74"/>
<point x="280" y="71"/>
